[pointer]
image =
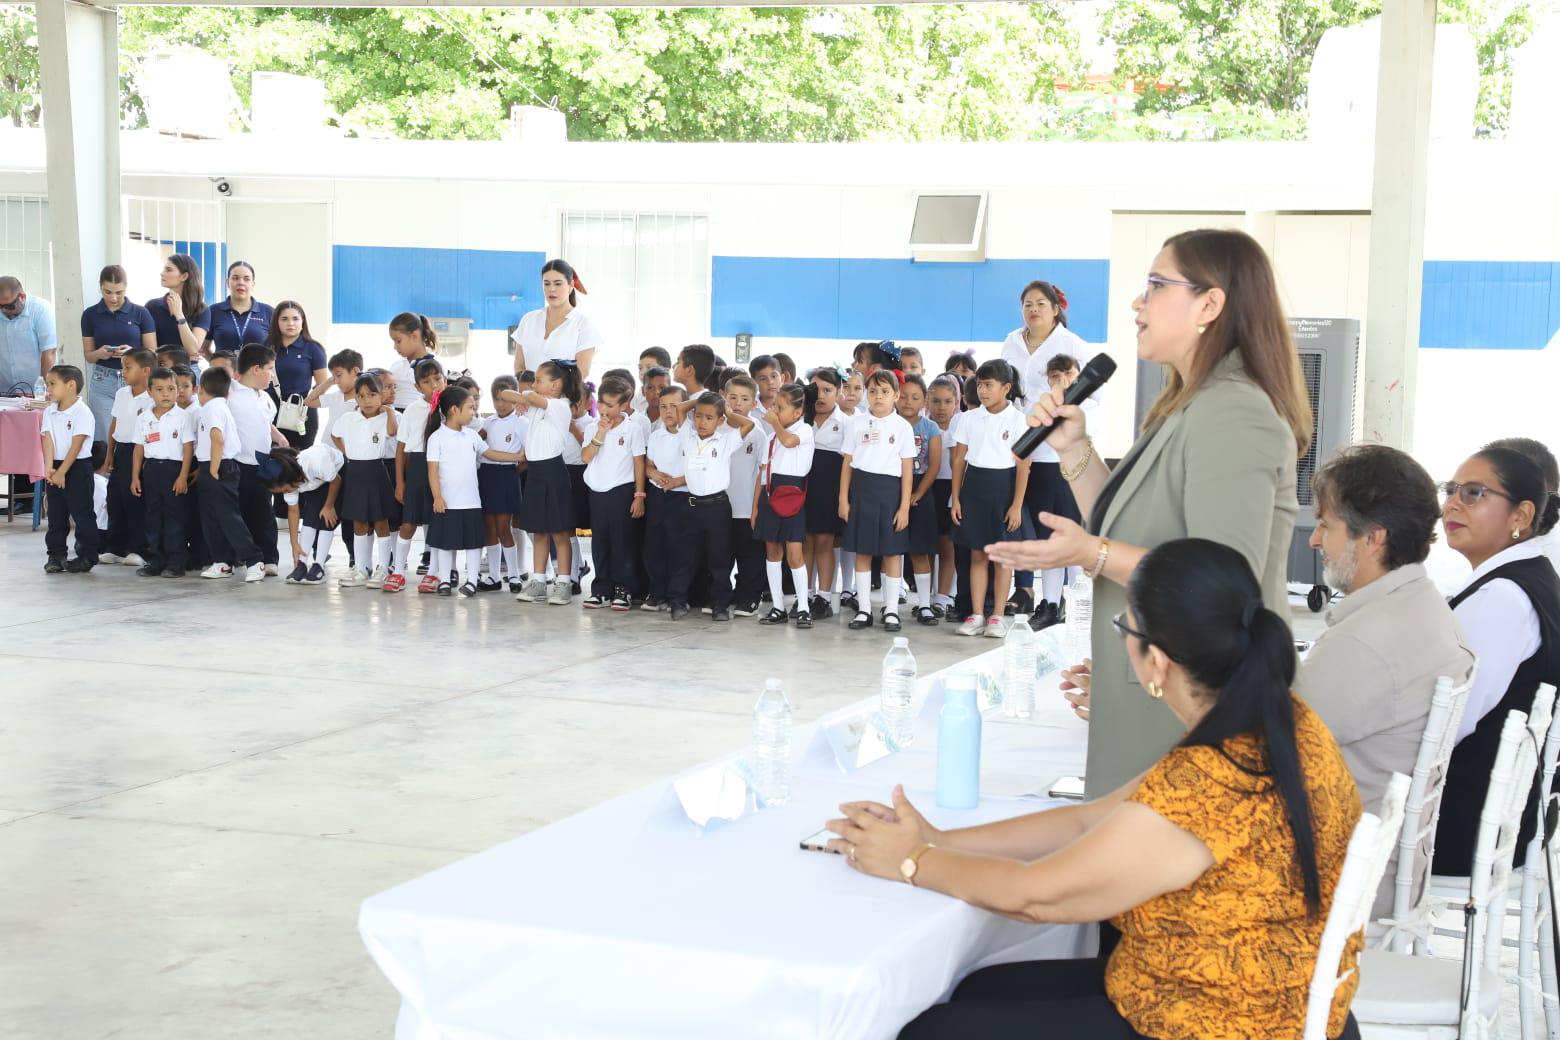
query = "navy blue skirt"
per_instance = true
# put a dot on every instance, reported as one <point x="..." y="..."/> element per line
<point x="985" y="498"/>
<point x="823" y="493"/>
<point x="366" y="494"/>
<point x="417" y="503"/>
<point x="499" y="487"/>
<point x="579" y="495"/>
<point x="457" y="529"/>
<point x="923" y="525"/>
<point x="874" y="499"/>
<point x="394" y="516"/>
<point x="774" y="528"/>
<point x="548" y="504"/>
<point x="1048" y="492"/>
<point x="309" y="505"/>
<point x="942" y="502"/>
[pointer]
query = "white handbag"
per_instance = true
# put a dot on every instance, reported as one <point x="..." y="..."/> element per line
<point x="292" y="415"/>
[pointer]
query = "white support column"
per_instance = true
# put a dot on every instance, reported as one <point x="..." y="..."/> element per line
<point x="1397" y="220"/>
<point x="78" y="56"/>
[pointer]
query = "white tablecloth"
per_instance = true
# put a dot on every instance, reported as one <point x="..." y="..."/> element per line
<point x="627" y="921"/>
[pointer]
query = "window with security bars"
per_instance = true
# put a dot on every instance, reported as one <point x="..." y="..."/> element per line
<point x="155" y="228"/>
<point x="648" y="276"/>
<point x="1311" y="372"/>
<point x="25" y="251"/>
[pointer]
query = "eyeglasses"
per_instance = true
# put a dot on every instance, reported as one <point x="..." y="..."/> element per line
<point x="1155" y="281"/>
<point x="1469" y="494"/>
<point x="14" y="306"/>
<point x="1119" y="623"/>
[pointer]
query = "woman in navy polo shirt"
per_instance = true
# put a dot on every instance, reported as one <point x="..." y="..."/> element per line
<point x="180" y="313"/>
<point x="240" y="319"/>
<point x="111" y="328"/>
<point x="300" y="363"/>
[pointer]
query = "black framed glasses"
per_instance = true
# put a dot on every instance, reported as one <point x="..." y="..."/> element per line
<point x="1154" y="281"/>
<point x="1119" y="623"/>
<point x="1469" y="494"/>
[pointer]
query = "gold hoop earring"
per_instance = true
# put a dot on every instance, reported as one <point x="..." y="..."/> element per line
<point x="1156" y="691"/>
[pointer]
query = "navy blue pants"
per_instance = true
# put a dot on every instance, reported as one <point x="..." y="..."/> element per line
<point x="220" y="517"/>
<point x="165" y="514"/>
<point x="703" y="548"/>
<point x="69" y="505"/>
<point x="256" y="506"/>
<point x="612" y="540"/>
<point x="126" y="513"/>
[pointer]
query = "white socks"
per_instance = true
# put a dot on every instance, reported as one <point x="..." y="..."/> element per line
<point x="511" y="555"/>
<point x="862" y="580"/>
<point x="923" y="589"/>
<point x="848" y="571"/>
<point x="387" y="552"/>
<point x="494" y="561"/>
<point x="473" y="565"/>
<point x="524" y="548"/>
<point x="775" y="571"/>
<point x="577" y="558"/>
<point x="403" y="547"/>
<point x="322" y="544"/>
<point x="799" y="582"/>
<point x="891" y="595"/>
<point x="307" y="537"/>
<point x="437" y="565"/>
<point x="363" y="547"/>
<point x="1052" y="581"/>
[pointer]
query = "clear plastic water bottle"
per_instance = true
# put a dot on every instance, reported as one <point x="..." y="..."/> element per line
<point x="1080" y="617"/>
<point x="898" y="692"/>
<point x="40" y="389"/>
<point x="1018" y="659"/>
<point x="771" y="753"/>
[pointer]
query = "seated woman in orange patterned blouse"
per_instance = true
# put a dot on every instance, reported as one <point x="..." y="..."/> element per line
<point x="1217" y="865"/>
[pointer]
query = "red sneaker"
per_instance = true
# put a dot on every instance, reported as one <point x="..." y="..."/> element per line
<point x="430" y="584"/>
<point x="394" y="583"/>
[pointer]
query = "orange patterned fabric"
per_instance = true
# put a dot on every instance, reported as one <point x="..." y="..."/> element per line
<point x="1230" y="957"/>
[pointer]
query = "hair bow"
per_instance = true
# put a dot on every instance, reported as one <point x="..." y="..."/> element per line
<point x="899" y="374"/>
<point x="890" y="350"/>
<point x="566" y="363"/>
<point x="1061" y="297"/>
<point x="433" y="402"/>
<point x="579" y="286"/>
<point x="268" y="468"/>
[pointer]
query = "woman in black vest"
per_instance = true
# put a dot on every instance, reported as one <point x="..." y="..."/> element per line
<point x="1496" y="510"/>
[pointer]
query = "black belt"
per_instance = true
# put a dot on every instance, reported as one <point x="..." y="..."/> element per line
<point x="718" y="498"/>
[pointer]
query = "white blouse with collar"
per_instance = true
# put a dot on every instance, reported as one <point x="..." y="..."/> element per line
<point x="1501" y="627"/>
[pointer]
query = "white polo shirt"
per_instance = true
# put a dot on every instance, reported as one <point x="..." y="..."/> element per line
<point x="1031" y="366"/>
<point x="796" y="461"/>
<point x="549" y="427"/>
<point x="745" y="464"/>
<point x="253" y="411"/>
<point x="164" y="437"/>
<point x="505" y="433"/>
<point x="990" y="436"/>
<point x="215" y="415"/>
<point x="707" y="460"/>
<point x="568" y="341"/>
<point x="128" y="406"/>
<point x="65" y="426"/>
<point x="574" y="447"/>
<point x="321" y="464"/>
<point x="456" y="453"/>
<point x="364" y="439"/>
<point x="829" y="435"/>
<point x="879" y="445"/>
<point x="945" y="462"/>
<point x="410" y="427"/>
<point x="613" y="464"/>
<point x="664" y="451"/>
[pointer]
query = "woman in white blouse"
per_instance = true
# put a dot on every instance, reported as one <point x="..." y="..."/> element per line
<point x="558" y="331"/>
<point x="1497" y="508"/>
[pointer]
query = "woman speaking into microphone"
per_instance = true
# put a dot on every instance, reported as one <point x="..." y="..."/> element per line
<point x="1215" y="459"/>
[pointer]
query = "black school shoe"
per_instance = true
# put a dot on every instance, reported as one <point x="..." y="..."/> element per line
<point x="76" y="565"/>
<point x="776" y="616"/>
<point x="315" y="576"/>
<point x="745" y="609"/>
<point x="467" y="590"/>
<point x="1022" y="602"/>
<point x="848" y="599"/>
<point x="298" y="573"/>
<point x="804" y="620"/>
<point x="445" y="588"/>
<point x="173" y="572"/>
<point x="151" y="570"/>
<point x="422" y="564"/>
<point x="679" y="611"/>
<point x="819" y="608"/>
<point x="890" y="622"/>
<point x="860" y="621"/>
<point x="54" y="565"/>
<point x="488" y="583"/>
<point x="720" y="614"/>
<point x="926" y="615"/>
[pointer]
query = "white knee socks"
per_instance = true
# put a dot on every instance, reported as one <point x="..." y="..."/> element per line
<point x="511" y="554"/>
<point x="775" y="571"/>
<point x="322" y="544"/>
<point x="363" y="547"/>
<point x="862" y="580"/>
<point x="403" y="548"/>
<point x="923" y="590"/>
<point x="387" y="552"/>
<point x="848" y="571"/>
<point x="890" y="594"/>
<point x="468" y="573"/>
<point x="799" y="581"/>
<point x="495" y="561"/>
<point x="1052" y="581"/>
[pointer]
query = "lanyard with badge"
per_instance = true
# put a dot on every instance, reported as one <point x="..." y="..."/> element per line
<point x="241" y="329"/>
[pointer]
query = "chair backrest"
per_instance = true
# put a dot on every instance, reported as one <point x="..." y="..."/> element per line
<point x="1511" y="782"/>
<point x="1422" y="811"/>
<point x="1363" y="867"/>
<point x="1535" y="946"/>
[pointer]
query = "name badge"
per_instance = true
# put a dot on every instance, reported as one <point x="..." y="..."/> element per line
<point x="153" y="437"/>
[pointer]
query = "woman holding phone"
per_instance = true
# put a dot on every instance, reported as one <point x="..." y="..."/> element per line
<point x="111" y="328"/>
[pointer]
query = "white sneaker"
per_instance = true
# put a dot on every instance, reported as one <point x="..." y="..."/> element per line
<point x="376" y="580"/>
<point x="562" y="593"/>
<point x="271" y="570"/>
<point x="994" y="628"/>
<point x="533" y="591"/>
<point x="110" y="558"/>
<point x="972" y="625"/>
<point x="353" y="579"/>
<point x="217" y="570"/>
<point x="254" y="572"/>
<point x="133" y="560"/>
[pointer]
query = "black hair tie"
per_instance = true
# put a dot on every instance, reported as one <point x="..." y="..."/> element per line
<point x="1248" y="613"/>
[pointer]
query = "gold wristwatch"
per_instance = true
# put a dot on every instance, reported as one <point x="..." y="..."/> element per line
<point x="911" y="863"/>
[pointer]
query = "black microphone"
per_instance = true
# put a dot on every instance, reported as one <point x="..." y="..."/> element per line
<point x="1094" y="375"/>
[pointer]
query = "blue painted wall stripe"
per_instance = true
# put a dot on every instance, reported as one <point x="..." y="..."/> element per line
<point x="372" y="284"/>
<point x="894" y="299"/>
<point x="1503" y="305"/>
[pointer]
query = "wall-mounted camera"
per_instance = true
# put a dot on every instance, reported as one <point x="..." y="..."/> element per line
<point x="224" y="186"/>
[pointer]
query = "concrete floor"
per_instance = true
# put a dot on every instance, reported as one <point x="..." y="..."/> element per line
<point x="200" y="781"/>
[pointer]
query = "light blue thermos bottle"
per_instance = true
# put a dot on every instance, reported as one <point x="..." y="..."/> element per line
<point x="958" y="744"/>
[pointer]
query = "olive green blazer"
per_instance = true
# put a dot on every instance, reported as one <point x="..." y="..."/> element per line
<point x="1221" y="468"/>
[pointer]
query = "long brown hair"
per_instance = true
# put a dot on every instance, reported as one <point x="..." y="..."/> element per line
<point x="273" y="336"/>
<point x="193" y="292"/>
<point x="1252" y="323"/>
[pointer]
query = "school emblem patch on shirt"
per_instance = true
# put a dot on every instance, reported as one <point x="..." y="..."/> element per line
<point x="620" y="442"/>
<point x="750" y="449"/>
<point x="1004" y="435"/>
<point x="891" y="438"/>
<point x="376" y="437"/>
<point x="714" y="453"/>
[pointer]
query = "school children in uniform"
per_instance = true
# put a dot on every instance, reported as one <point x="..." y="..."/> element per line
<point x="367" y="496"/>
<point x="614" y="453"/>
<point x="823" y="493"/>
<point x="923" y="534"/>
<point x="779" y="515"/>
<point x="499" y="483"/>
<point x="988" y="488"/>
<point x="412" y="488"/>
<point x="574" y="464"/>
<point x="547" y="506"/>
<point x="160" y="468"/>
<point x="414" y="340"/>
<point x="255" y="412"/>
<point x="187" y="397"/>
<point x="942" y="408"/>
<point x="217" y="444"/>
<point x="875" y="490"/>
<point x="125" y="539"/>
<point x="309" y="482"/>
<point x="666" y="504"/>
<point x="747" y="552"/>
<point x="67" y="472"/>
<point x="456" y="534"/>
<point x="711" y="439"/>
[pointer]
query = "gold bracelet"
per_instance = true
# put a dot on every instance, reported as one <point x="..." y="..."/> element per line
<point x="1099" y="560"/>
<point x="1088" y="457"/>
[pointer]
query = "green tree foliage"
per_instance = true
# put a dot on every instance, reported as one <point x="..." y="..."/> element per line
<point x="20" y="97"/>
